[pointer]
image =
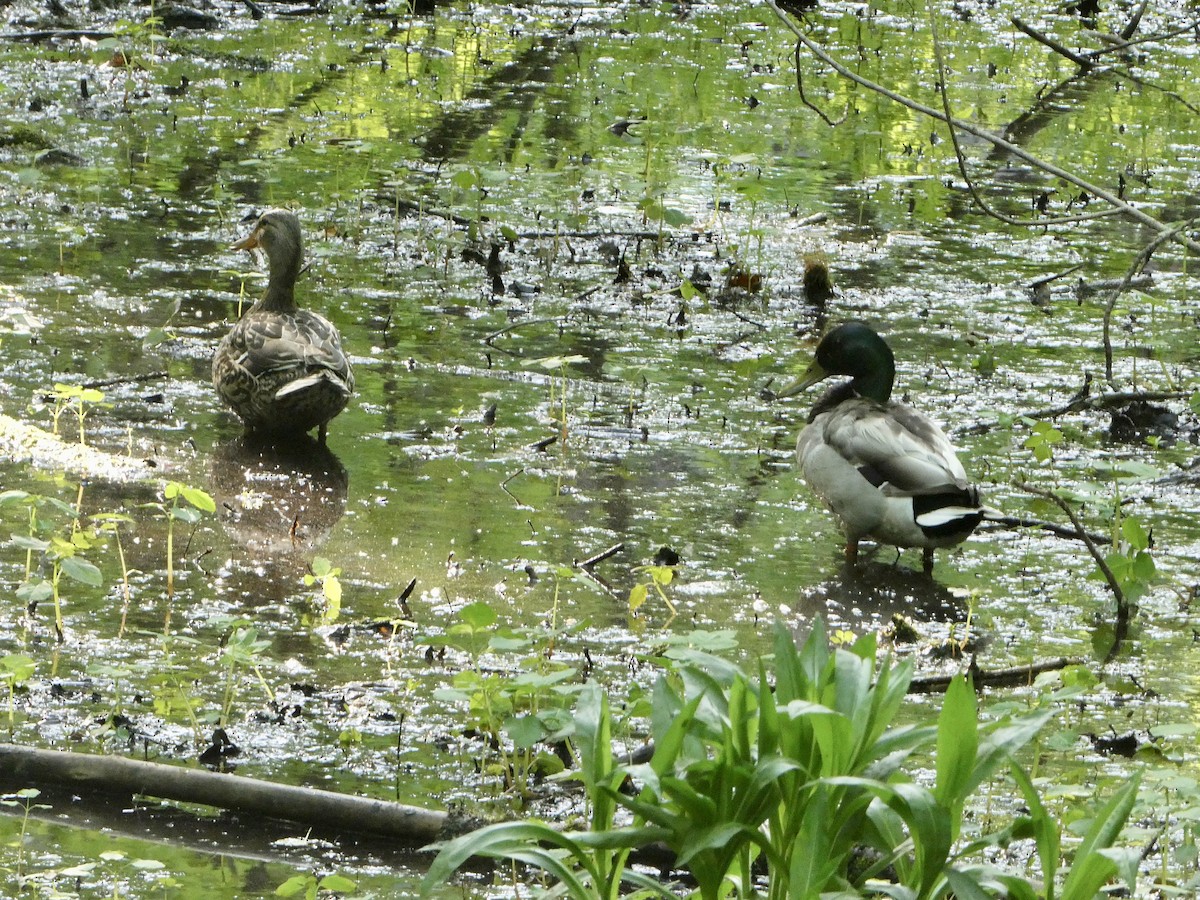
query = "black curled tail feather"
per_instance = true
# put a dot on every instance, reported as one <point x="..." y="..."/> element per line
<point x="949" y="513"/>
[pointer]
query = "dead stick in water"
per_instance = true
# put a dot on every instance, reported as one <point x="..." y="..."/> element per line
<point x="129" y="379"/>
<point x="602" y="556"/>
<point x="1052" y="527"/>
<point x="1016" y="675"/>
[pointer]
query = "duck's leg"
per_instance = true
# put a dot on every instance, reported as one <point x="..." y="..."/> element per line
<point x="927" y="560"/>
<point x="851" y="550"/>
<point x="322" y="432"/>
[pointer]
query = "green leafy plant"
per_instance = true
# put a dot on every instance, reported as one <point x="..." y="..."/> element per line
<point x="23" y="798"/>
<point x="243" y="650"/>
<point x="660" y="578"/>
<point x="65" y="555"/>
<point x="69" y="234"/>
<point x="513" y="708"/>
<point x="156" y="336"/>
<point x="584" y="864"/>
<point x="61" y="551"/>
<point x="242" y="278"/>
<point x="311" y="886"/>
<point x="110" y="524"/>
<point x="15" y="670"/>
<point x="802" y="773"/>
<point x="79" y="400"/>
<point x="180" y="503"/>
<point x="1043" y="438"/>
<point x="322" y="572"/>
<point x="1130" y="560"/>
<point x="558" y="400"/>
<point x="655" y="210"/>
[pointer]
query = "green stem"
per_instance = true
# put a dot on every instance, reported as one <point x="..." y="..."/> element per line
<point x="58" y="619"/>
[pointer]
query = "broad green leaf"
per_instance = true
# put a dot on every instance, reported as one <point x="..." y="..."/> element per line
<point x="478" y="615"/>
<point x="957" y="744"/>
<point x="16" y="668"/>
<point x="185" y="514"/>
<point x="1092" y="867"/>
<point x="637" y="596"/>
<point x="79" y="569"/>
<point x="28" y="542"/>
<point x="525" y="731"/>
<point x="339" y="884"/>
<point x="199" y="499"/>
<point x="293" y="886"/>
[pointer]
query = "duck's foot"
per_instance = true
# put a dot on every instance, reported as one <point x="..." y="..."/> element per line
<point x="851" y="552"/>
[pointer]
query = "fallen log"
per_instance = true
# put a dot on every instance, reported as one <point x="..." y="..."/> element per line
<point x="22" y="767"/>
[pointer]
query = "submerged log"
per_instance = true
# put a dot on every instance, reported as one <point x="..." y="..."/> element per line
<point x="25" y="767"/>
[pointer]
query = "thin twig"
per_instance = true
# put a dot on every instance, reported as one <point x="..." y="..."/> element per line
<point x="129" y="379"/>
<point x="515" y="325"/>
<point x="1114" y="585"/>
<point x="803" y="99"/>
<point x="1136" y="19"/>
<point x="1048" y="279"/>
<point x="748" y="320"/>
<point x="1135" y="268"/>
<point x="961" y="157"/>
<point x="1052" y="527"/>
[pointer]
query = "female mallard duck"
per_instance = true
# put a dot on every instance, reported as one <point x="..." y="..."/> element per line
<point x="282" y="368"/>
<point x="886" y="472"/>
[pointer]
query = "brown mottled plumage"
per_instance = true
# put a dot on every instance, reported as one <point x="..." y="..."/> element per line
<point x="281" y="368"/>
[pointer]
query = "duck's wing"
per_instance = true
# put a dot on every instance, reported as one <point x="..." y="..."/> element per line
<point x="894" y="447"/>
<point x="266" y="343"/>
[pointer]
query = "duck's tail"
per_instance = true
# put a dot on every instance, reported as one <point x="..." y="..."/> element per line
<point x="325" y="376"/>
<point x="952" y="510"/>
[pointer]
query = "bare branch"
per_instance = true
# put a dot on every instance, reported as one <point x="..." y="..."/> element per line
<point x="1097" y="556"/>
<point x="984" y="135"/>
<point x="1081" y="61"/>
<point x="1139" y="263"/>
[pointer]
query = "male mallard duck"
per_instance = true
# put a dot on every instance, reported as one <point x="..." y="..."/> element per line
<point x="282" y="368"/>
<point x="886" y="472"/>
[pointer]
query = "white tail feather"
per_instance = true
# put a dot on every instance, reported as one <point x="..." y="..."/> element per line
<point x="302" y="384"/>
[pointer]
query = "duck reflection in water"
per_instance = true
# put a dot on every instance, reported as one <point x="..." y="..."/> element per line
<point x="278" y="499"/>
<point x="865" y="596"/>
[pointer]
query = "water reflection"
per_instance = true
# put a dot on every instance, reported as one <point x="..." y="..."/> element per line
<point x="278" y="499"/>
<point x="863" y="597"/>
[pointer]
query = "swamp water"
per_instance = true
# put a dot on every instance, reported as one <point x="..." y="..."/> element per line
<point x="638" y="167"/>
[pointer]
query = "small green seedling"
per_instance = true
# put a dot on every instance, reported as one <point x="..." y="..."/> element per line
<point x="311" y="887"/>
<point x="660" y="577"/>
<point x="80" y="400"/>
<point x="321" y="571"/>
<point x="1042" y="440"/>
<point x="15" y="670"/>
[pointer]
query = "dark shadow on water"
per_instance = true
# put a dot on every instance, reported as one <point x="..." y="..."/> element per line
<point x="278" y="499"/>
<point x="864" y="597"/>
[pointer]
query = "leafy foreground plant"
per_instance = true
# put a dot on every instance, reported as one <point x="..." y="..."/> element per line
<point x="799" y="792"/>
